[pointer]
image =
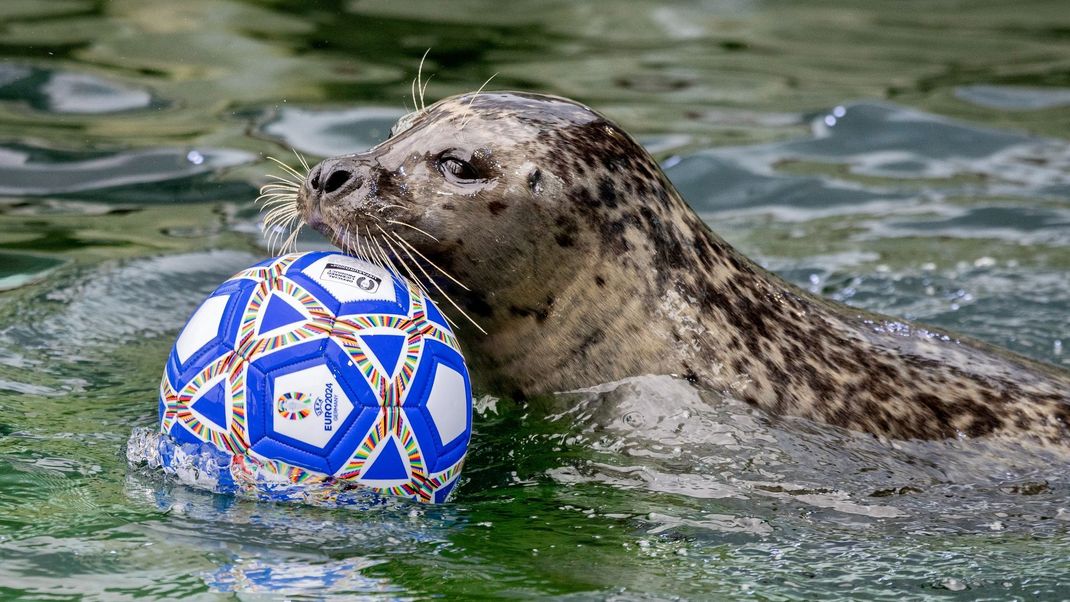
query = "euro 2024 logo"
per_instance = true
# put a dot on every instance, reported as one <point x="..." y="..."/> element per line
<point x="298" y="406"/>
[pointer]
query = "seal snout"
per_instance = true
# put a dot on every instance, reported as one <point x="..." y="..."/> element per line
<point x="332" y="178"/>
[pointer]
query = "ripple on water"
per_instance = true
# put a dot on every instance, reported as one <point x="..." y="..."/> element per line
<point x="663" y="436"/>
<point x="119" y="302"/>
<point x="19" y="269"/>
<point x="36" y="171"/>
<point x="331" y="132"/>
<point x="873" y="152"/>
<point x="646" y="487"/>
<point x="908" y="213"/>
<point x="57" y="91"/>
<point x="1014" y="98"/>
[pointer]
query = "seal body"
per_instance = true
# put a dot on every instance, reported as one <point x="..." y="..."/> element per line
<point x="584" y="265"/>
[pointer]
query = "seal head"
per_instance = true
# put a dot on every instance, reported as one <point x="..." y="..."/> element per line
<point x="561" y="226"/>
<point x="470" y="182"/>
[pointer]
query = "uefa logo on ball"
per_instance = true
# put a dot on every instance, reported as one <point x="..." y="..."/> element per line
<point x="293" y="406"/>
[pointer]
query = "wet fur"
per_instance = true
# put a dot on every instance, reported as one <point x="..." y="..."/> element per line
<point x="585" y="266"/>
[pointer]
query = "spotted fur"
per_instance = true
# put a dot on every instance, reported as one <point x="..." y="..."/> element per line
<point x="585" y="266"/>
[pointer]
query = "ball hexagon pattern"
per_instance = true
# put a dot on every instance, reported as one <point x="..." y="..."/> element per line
<point x="322" y="366"/>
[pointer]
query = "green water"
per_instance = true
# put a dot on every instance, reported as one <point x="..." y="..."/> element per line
<point x="132" y="141"/>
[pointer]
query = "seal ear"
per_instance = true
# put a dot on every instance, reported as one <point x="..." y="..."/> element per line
<point x="535" y="181"/>
<point x="403" y="123"/>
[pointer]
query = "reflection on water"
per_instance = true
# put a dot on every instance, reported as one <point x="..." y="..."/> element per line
<point x="910" y="159"/>
<point x="1013" y="98"/>
<point x="326" y="133"/>
<point x="67" y="92"/>
<point x="35" y="171"/>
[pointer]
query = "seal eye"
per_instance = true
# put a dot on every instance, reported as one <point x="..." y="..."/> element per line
<point x="458" y="170"/>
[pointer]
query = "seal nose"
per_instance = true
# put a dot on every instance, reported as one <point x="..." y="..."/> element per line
<point x="328" y="178"/>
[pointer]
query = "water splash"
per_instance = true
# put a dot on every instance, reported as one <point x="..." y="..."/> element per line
<point x="207" y="468"/>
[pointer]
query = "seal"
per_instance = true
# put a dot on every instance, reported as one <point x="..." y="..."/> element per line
<point x="559" y="235"/>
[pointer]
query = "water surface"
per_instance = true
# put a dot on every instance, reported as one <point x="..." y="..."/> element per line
<point x="912" y="159"/>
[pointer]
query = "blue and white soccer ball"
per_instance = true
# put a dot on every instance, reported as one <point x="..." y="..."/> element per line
<point x="319" y="367"/>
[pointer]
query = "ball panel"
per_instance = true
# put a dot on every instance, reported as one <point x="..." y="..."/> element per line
<point x="237" y="295"/>
<point x="385" y="349"/>
<point x="440" y="454"/>
<point x="293" y="316"/>
<point x="446" y="404"/>
<point x="166" y="393"/>
<point x="308" y="404"/>
<point x="181" y="434"/>
<point x="279" y="314"/>
<point x="435" y="315"/>
<point x="203" y="327"/>
<point x="305" y="408"/>
<point x="261" y="372"/>
<point x="386" y="467"/>
<point x="211" y="405"/>
<point x="355" y="382"/>
<point x="444" y="492"/>
<point x="274" y="449"/>
<point x="389" y="459"/>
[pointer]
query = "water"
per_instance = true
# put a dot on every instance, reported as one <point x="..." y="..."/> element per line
<point x="912" y="159"/>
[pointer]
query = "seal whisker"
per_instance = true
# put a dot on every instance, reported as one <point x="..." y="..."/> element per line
<point x="277" y="190"/>
<point x="423" y="107"/>
<point x="276" y="194"/>
<point x="285" y="223"/>
<point x="381" y="258"/>
<point x="428" y="278"/>
<point x="425" y="233"/>
<point x="280" y="230"/>
<point x="273" y="237"/>
<point x="271" y="222"/>
<point x="276" y="198"/>
<point x="362" y="245"/>
<point x="278" y="205"/>
<point x="443" y="293"/>
<point x="393" y="260"/>
<point x="385" y="257"/>
<point x="290" y="245"/>
<point x="289" y="169"/>
<point x="412" y="90"/>
<point x="347" y="242"/>
<point x="418" y="82"/>
<point x="304" y="163"/>
<point x="283" y="182"/>
<point x="353" y="242"/>
<point x="280" y="213"/>
<point x="432" y="263"/>
<point x="278" y="201"/>
<point x="343" y="241"/>
<point x="400" y="261"/>
<point x="465" y="115"/>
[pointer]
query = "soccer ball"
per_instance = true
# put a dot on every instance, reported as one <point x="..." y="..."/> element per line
<point x="322" y="368"/>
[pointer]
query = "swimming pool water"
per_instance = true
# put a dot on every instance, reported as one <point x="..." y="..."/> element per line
<point x="912" y="159"/>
